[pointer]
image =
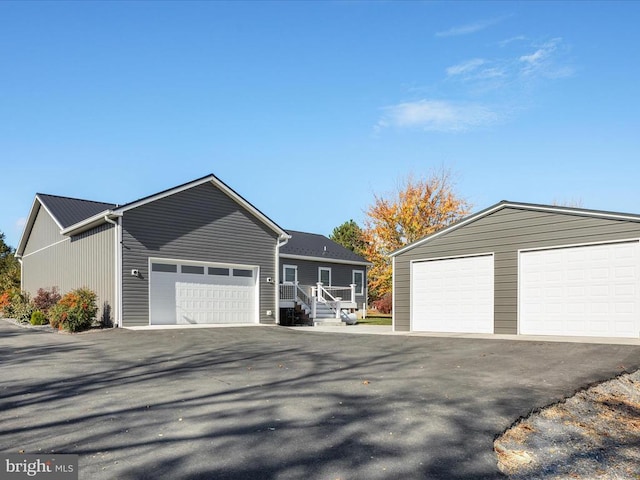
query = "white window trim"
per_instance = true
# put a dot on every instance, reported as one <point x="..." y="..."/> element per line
<point x="284" y="275"/>
<point x="320" y="269"/>
<point x="353" y="280"/>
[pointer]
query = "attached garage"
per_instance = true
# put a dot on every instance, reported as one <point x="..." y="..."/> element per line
<point x="518" y="268"/>
<point x="192" y="293"/>
<point x="453" y="294"/>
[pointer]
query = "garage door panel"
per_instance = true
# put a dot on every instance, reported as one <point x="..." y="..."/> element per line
<point x="231" y="303"/>
<point x="581" y="291"/>
<point x="453" y="295"/>
<point x="216" y="295"/>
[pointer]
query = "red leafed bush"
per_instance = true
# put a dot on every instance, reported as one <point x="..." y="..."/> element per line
<point x="5" y="302"/>
<point x="385" y="304"/>
<point x="45" y="299"/>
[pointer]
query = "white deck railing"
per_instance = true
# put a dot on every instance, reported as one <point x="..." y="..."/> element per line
<point x="309" y="296"/>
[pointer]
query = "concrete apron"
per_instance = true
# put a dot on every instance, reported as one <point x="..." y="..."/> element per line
<point x="387" y="330"/>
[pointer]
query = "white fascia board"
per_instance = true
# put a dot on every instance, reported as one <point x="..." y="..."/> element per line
<point x="574" y="211"/>
<point x="220" y="185"/>
<point x="448" y="229"/>
<point x="324" y="259"/>
<point x="521" y="206"/>
<point x="90" y="222"/>
<point x="31" y="219"/>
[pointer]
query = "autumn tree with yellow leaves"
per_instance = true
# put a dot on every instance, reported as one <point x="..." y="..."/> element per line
<point x="419" y="207"/>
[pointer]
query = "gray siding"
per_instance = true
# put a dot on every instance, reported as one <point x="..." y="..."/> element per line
<point x="85" y="260"/>
<point x="45" y="232"/>
<point x="201" y="224"/>
<point x="503" y="233"/>
<point x="341" y="274"/>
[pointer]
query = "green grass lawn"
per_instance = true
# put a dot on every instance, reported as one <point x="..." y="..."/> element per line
<point x="375" y="320"/>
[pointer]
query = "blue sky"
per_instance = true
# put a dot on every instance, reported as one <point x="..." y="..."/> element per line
<point x="308" y="109"/>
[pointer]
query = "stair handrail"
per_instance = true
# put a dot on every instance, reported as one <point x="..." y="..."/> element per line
<point x="304" y="297"/>
<point x="333" y="304"/>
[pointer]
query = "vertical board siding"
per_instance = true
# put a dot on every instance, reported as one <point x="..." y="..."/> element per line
<point x="85" y="260"/>
<point x="45" y="232"/>
<point x="503" y="233"/>
<point x="201" y="224"/>
<point x="341" y="274"/>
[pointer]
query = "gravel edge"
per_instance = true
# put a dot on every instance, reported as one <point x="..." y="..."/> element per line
<point x="593" y="434"/>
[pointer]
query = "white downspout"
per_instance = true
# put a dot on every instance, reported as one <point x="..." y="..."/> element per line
<point x="282" y="241"/>
<point x="117" y="273"/>
<point x="19" y="258"/>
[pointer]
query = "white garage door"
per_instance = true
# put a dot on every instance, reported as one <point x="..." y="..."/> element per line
<point x="191" y="293"/>
<point x="453" y="295"/>
<point x="582" y="291"/>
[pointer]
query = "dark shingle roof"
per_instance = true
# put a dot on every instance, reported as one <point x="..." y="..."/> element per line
<point x="315" y="245"/>
<point x="69" y="211"/>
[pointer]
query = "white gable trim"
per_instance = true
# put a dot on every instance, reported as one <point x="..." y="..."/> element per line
<point x="31" y="220"/>
<point x="89" y="223"/>
<point x="220" y="185"/>
<point x="521" y="206"/>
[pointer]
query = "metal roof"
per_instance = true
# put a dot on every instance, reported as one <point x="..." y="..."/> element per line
<point x="303" y="244"/>
<point x="69" y="211"/>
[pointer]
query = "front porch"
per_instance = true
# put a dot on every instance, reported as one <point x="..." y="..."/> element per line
<point x="320" y="304"/>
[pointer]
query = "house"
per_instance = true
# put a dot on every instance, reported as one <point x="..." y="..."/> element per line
<point x="316" y="274"/>
<point x="198" y="253"/>
<point x="517" y="268"/>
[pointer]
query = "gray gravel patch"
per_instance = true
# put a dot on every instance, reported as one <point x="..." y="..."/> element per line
<point x="593" y="434"/>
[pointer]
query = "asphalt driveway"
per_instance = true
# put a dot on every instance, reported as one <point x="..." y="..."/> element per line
<point x="272" y="403"/>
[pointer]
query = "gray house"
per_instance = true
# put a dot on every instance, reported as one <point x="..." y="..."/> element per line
<point x="316" y="274"/>
<point x="197" y="253"/>
<point x="518" y="268"/>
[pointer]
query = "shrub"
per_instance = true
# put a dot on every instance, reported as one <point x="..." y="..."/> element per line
<point x="5" y="303"/>
<point x="385" y="304"/>
<point x="19" y="306"/>
<point x="38" y="318"/>
<point x="75" y="311"/>
<point x="57" y="315"/>
<point x="45" y="299"/>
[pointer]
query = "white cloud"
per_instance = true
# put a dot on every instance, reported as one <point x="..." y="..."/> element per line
<point x="465" y="67"/>
<point x="535" y="57"/>
<point x="542" y="61"/>
<point x="507" y="41"/>
<point x="470" y="27"/>
<point x="437" y="115"/>
<point x="489" y="90"/>
<point x="490" y="73"/>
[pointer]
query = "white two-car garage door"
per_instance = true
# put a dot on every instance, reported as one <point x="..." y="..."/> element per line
<point x="583" y="291"/>
<point x="186" y="293"/>
<point x="452" y="295"/>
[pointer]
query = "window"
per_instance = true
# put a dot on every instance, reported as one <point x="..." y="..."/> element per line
<point x="219" y="271"/>
<point x="289" y="274"/>
<point x="324" y="276"/>
<point x="164" y="267"/>
<point x="237" y="272"/>
<point x="192" y="269"/>
<point x="358" y="279"/>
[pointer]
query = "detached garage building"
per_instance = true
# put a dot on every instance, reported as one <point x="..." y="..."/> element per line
<point x="518" y="268"/>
